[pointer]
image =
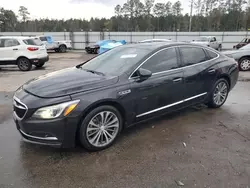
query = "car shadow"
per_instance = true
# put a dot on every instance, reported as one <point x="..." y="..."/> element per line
<point x="16" y="69"/>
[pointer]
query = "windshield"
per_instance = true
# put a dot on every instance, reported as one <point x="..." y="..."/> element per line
<point x="116" y="61"/>
<point x="202" y="39"/>
<point x="35" y="42"/>
<point x="247" y="47"/>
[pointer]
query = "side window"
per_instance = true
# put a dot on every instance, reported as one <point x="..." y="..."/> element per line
<point x="10" y="42"/>
<point x="1" y="43"/>
<point x="162" y="61"/>
<point x="214" y="39"/>
<point x="192" y="55"/>
<point x="211" y="54"/>
<point x="43" y="38"/>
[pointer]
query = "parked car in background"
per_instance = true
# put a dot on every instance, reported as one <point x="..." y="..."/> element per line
<point x="242" y="56"/>
<point x="23" y="52"/>
<point x="154" y="40"/>
<point x="57" y="46"/>
<point x="103" y="45"/>
<point x="209" y="41"/>
<point x="94" y="101"/>
<point x="244" y="42"/>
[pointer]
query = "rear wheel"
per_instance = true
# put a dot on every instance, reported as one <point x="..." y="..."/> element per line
<point x="219" y="94"/>
<point x="244" y="64"/>
<point x="24" y="64"/>
<point x="62" y="48"/>
<point x="100" y="128"/>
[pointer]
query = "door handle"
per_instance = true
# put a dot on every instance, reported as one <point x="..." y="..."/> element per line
<point x="177" y="80"/>
<point x="15" y="49"/>
<point x="211" y="71"/>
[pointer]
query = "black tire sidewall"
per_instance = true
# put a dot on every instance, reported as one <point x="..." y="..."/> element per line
<point x="83" y="128"/>
<point x="211" y="102"/>
<point x="241" y="62"/>
<point x="18" y="64"/>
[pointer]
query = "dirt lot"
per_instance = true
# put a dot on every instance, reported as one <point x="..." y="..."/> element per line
<point x="198" y="146"/>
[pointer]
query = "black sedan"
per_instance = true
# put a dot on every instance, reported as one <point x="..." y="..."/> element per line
<point x="94" y="101"/>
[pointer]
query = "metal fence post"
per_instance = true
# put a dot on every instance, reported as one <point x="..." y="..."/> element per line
<point x="72" y="38"/>
<point x="87" y="38"/>
<point x="131" y="40"/>
<point x="222" y="38"/>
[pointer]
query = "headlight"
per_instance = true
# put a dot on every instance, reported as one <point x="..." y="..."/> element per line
<point x="51" y="112"/>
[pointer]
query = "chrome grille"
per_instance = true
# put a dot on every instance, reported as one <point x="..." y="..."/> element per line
<point x="19" y="108"/>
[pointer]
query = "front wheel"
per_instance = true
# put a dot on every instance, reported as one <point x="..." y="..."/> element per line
<point x="100" y="128"/>
<point x="244" y="64"/>
<point x="219" y="94"/>
<point x="219" y="48"/>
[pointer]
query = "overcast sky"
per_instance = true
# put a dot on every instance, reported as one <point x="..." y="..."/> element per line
<point x="71" y="8"/>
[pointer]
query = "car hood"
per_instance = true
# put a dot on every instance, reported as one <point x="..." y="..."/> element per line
<point x="66" y="82"/>
<point x="230" y="52"/>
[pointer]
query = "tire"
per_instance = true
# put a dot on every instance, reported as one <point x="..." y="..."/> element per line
<point x="88" y="132"/>
<point x="244" y="64"/>
<point x="39" y="65"/>
<point x="62" y="48"/>
<point x="24" y="64"/>
<point x="219" y="48"/>
<point x="221" y="88"/>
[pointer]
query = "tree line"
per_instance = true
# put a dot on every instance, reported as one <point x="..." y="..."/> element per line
<point x="135" y="15"/>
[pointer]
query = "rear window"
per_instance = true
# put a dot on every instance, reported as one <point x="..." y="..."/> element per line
<point x="43" y="38"/>
<point x="35" y="42"/>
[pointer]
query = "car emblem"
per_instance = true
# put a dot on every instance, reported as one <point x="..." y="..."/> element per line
<point x="122" y="93"/>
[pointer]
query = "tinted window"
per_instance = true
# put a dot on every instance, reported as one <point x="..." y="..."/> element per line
<point x="162" y="61"/>
<point x="35" y="42"/>
<point x="43" y="38"/>
<point x="192" y="55"/>
<point x="8" y="42"/>
<point x="117" y="61"/>
<point x="211" y="54"/>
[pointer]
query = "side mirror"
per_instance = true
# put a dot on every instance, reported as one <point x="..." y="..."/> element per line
<point x="144" y="73"/>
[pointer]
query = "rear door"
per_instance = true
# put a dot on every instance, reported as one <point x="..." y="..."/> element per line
<point x="199" y="72"/>
<point x="9" y="49"/>
<point x="164" y="89"/>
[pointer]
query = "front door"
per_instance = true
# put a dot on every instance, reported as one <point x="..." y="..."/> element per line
<point x="163" y="90"/>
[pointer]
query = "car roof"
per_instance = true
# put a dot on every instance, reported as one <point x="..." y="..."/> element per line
<point x="17" y="37"/>
<point x="156" y="45"/>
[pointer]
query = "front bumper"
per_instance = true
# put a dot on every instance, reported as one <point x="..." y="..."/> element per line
<point x="58" y="133"/>
<point x="36" y="61"/>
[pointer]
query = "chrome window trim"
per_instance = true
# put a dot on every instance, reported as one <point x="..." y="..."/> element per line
<point x="170" y="105"/>
<point x="36" y="137"/>
<point x="18" y="100"/>
<point x="180" y="68"/>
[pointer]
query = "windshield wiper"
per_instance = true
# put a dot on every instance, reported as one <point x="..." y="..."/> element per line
<point x="94" y="72"/>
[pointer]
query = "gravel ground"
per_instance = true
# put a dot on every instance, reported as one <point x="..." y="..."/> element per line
<point x="198" y="147"/>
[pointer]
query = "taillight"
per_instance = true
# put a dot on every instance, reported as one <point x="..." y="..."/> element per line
<point x="32" y="48"/>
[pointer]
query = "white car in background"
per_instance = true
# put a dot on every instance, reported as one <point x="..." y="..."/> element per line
<point x="23" y="52"/>
<point x="209" y="41"/>
<point x="57" y="46"/>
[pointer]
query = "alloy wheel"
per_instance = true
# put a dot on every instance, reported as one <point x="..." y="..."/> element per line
<point x="102" y="129"/>
<point x="245" y="64"/>
<point x="220" y="93"/>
